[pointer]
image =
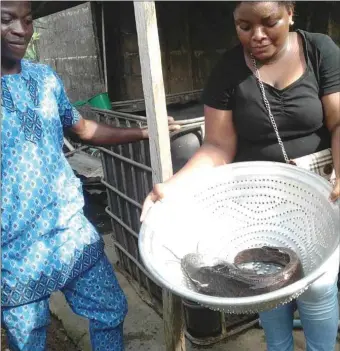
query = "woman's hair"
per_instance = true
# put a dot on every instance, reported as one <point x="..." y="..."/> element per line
<point x="288" y="4"/>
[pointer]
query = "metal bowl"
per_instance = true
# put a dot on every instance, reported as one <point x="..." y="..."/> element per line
<point x="238" y="206"/>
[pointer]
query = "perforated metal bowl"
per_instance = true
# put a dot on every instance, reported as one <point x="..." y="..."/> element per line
<point x="235" y="207"/>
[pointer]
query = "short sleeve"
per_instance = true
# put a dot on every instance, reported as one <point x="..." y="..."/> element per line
<point x="69" y="116"/>
<point x="329" y="69"/>
<point x="218" y="90"/>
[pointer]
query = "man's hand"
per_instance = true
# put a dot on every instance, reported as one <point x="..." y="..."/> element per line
<point x="92" y="132"/>
<point x="172" y="124"/>
<point x="172" y="127"/>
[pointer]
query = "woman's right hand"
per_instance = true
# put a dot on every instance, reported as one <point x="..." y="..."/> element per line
<point x="158" y="192"/>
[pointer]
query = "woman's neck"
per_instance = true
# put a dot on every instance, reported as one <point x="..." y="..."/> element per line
<point x="9" y="66"/>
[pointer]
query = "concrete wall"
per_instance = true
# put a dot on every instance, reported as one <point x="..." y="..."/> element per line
<point x="69" y="44"/>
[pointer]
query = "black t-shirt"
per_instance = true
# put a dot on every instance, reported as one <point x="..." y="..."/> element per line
<point x="297" y="109"/>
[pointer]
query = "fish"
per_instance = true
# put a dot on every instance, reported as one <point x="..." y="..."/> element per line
<point x="224" y="279"/>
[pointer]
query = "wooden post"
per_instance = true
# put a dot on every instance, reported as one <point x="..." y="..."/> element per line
<point x="104" y="46"/>
<point x="154" y="95"/>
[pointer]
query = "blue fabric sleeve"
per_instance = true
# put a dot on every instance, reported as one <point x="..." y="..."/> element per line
<point x="69" y="116"/>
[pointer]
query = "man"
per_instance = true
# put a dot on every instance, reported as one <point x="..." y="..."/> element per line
<point x="47" y="243"/>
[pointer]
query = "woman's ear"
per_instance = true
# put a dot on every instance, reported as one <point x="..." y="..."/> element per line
<point x="290" y="16"/>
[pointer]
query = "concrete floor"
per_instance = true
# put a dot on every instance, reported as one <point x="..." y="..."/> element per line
<point x="143" y="328"/>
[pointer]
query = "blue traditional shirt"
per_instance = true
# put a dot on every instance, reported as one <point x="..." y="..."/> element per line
<point x="46" y="239"/>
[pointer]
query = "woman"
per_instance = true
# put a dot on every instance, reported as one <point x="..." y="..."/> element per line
<point x="300" y="72"/>
<point x="47" y="243"/>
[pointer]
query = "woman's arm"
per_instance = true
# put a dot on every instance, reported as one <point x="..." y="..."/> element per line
<point x="219" y="148"/>
<point x="331" y="107"/>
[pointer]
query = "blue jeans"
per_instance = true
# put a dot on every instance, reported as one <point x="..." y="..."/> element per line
<point x="319" y="314"/>
<point x="95" y="295"/>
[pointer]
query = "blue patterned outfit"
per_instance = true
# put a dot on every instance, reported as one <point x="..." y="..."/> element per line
<point x="47" y="243"/>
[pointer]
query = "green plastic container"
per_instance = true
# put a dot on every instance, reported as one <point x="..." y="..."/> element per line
<point x="99" y="101"/>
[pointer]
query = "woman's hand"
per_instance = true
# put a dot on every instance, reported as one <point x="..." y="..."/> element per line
<point x="158" y="192"/>
<point x="335" y="195"/>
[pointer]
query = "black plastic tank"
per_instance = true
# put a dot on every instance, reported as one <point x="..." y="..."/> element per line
<point x="201" y="322"/>
<point x="183" y="145"/>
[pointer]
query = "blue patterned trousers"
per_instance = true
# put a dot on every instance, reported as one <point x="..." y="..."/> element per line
<point x="95" y="295"/>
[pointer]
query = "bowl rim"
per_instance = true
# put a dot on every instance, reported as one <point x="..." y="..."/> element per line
<point x="207" y="300"/>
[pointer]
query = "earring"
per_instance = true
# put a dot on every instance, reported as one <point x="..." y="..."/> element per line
<point x="291" y="23"/>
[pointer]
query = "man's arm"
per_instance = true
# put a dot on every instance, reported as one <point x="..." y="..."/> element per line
<point x="94" y="133"/>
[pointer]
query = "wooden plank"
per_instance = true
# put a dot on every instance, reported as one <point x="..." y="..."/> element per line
<point x="154" y="95"/>
<point x="153" y="88"/>
<point x="104" y="46"/>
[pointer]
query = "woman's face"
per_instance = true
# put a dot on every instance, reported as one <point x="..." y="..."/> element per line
<point x="262" y="27"/>
<point x="16" y="28"/>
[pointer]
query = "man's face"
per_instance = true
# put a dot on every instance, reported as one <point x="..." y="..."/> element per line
<point x="16" y="28"/>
